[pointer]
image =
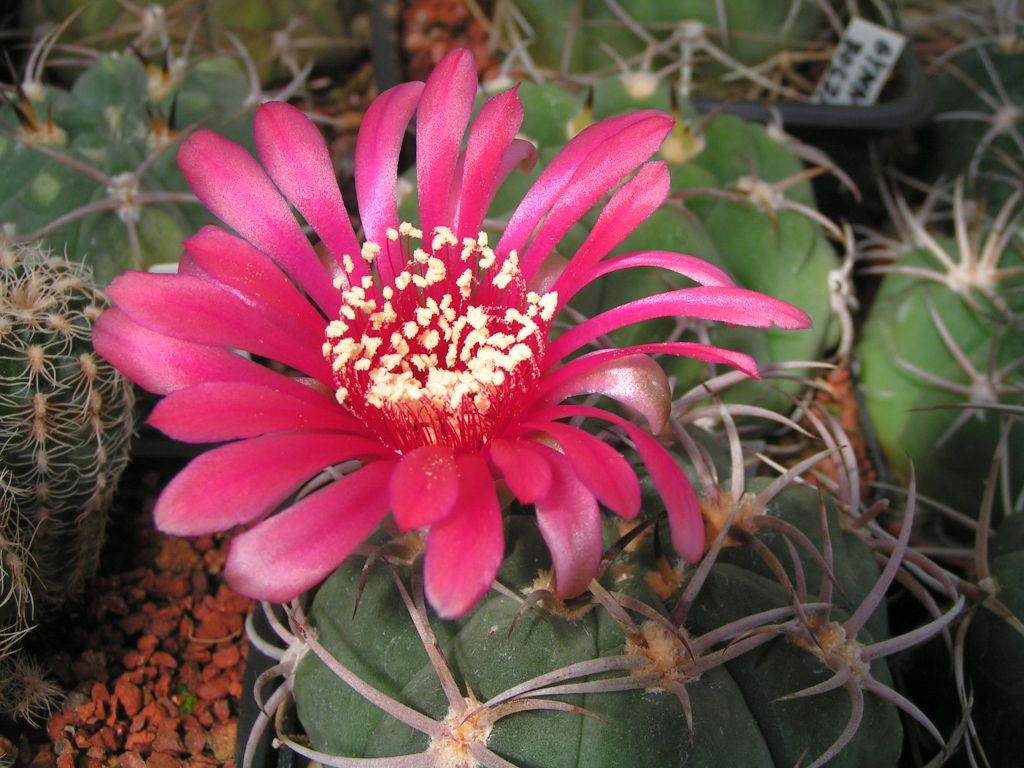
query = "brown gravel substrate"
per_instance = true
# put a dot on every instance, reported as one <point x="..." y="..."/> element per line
<point x="153" y="663"/>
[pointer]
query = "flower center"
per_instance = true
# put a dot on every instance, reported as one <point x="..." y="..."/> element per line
<point x="436" y="350"/>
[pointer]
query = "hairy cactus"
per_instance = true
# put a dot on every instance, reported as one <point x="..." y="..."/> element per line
<point x="91" y="169"/>
<point x="66" y="420"/>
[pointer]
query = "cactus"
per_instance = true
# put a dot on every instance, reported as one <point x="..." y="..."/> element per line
<point x="942" y="342"/>
<point x="283" y="36"/>
<point x="978" y="126"/>
<point x="734" y="49"/>
<point x="66" y="420"/>
<point x="778" y="629"/>
<point x="91" y="169"/>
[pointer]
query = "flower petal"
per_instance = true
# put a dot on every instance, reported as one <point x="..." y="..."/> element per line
<point x="489" y="139"/>
<point x="698" y="270"/>
<point x="443" y="114"/>
<point x="597" y="372"/>
<point x="602" y="469"/>
<point x="464" y="550"/>
<point x="556" y="176"/>
<point x="239" y="482"/>
<point x="596" y="175"/>
<point x="684" y="515"/>
<point x="737" y="306"/>
<point x="570" y="523"/>
<point x="633" y="379"/>
<point x="235" y="264"/>
<point x="524" y="469"/>
<point x="163" y="364"/>
<point x="631" y="204"/>
<point x="378" y="146"/>
<point x="296" y="157"/>
<point x="297" y="548"/>
<point x="424" y="486"/>
<point x="198" y="310"/>
<point x="231" y="184"/>
<point x="218" y="411"/>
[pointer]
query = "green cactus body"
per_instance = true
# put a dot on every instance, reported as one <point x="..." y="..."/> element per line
<point x="979" y="114"/>
<point x="749" y="31"/>
<point x="118" y="202"/>
<point x="739" y="712"/>
<point x="66" y="420"/>
<point x="280" y="35"/>
<point x="914" y="414"/>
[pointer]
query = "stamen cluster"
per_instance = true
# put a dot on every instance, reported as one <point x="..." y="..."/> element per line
<point x="430" y="357"/>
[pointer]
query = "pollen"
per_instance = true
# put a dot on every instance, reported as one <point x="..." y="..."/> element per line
<point x="436" y="354"/>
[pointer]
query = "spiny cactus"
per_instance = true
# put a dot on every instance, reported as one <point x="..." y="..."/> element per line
<point x="26" y="691"/>
<point x="978" y="126"/>
<point x="66" y="420"/>
<point x="943" y="341"/>
<point x="778" y="629"/>
<point x="91" y="169"/>
<point x="728" y="49"/>
<point x="284" y="36"/>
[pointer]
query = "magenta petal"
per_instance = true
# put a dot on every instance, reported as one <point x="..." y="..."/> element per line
<point x="296" y="157"/>
<point x="737" y="306"/>
<point x="556" y="176"/>
<point x="523" y="467"/>
<point x="631" y="204"/>
<point x="698" y="270"/>
<point x="198" y="310"/>
<point x="570" y="523"/>
<point x="602" y="469"/>
<point x="163" y="364"/>
<point x="218" y="411"/>
<point x="633" y="379"/>
<point x="441" y="120"/>
<point x="684" y="514"/>
<point x="492" y="133"/>
<point x="234" y="263"/>
<point x="239" y="482"/>
<point x="597" y="175"/>
<point x="232" y="185"/>
<point x="464" y="550"/>
<point x="296" y="549"/>
<point x="377" y="148"/>
<point x="424" y="486"/>
<point x="691" y="267"/>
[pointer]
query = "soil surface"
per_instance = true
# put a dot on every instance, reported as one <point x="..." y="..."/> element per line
<point x="152" y="665"/>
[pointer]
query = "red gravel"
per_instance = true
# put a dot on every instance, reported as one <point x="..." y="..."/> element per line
<point x="153" y="666"/>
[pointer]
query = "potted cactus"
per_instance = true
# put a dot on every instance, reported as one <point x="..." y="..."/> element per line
<point x="433" y="406"/>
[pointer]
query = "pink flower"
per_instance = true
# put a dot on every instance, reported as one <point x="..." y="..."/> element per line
<point x="427" y="349"/>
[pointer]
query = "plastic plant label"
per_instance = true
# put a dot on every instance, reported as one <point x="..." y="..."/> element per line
<point x="861" y="65"/>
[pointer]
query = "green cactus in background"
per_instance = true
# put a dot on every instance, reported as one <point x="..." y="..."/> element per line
<point x="770" y="652"/>
<point x="943" y="343"/>
<point x="734" y="49"/>
<point x="66" y="421"/>
<point x="284" y="37"/>
<point x="91" y="170"/>
<point x="978" y="126"/>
